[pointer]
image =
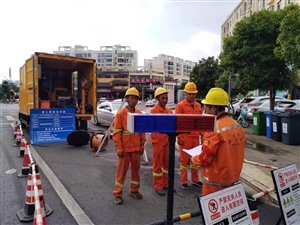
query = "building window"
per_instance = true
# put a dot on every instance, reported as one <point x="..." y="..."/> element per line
<point x="261" y="4"/>
<point x="278" y="5"/>
<point x="237" y="15"/>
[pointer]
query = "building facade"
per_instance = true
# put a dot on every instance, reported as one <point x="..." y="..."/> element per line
<point x="116" y="57"/>
<point x="246" y="8"/>
<point x="173" y="68"/>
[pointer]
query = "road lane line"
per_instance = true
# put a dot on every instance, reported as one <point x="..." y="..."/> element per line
<point x="10" y="118"/>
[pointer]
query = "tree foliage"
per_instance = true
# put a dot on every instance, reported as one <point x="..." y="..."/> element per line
<point x="250" y="54"/>
<point x="289" y="37"/>
<point x="204" y="75"/>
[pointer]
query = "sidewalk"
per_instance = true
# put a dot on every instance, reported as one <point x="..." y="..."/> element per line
<point x="266" y="151"/>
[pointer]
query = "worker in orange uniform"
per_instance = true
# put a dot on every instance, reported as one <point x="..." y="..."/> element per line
<point x="160" y="145"/>
<point x="129" y="148"/>
<point x="190" y="140"/>
<point x="222" y="153"/>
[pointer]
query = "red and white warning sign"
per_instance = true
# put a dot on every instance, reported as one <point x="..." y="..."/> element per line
<point x="227" y="206"/>
<point x="287" y="185"/>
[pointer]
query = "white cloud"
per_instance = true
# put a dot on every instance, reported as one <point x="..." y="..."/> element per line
<point x="42" y="26"/>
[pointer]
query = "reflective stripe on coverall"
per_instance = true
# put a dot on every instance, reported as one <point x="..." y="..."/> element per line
<point x="222" y="155"/>
<point x="190" y="140"/>
<point x="160" y="154"/>
<point x="131" y="145"/>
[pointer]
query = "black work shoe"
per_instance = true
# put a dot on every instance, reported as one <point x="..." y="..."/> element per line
<point x="136" y="195"/>
<point x="184" y="186"/>
<point x="160" y="192"/>
<point x="118" y="200"/>
<point x="198" y="184"/>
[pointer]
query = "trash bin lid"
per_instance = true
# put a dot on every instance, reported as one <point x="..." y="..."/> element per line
<point x="275" y="113"/>
<point x="290" y="114"/>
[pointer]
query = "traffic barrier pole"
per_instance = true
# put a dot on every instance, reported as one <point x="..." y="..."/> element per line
<point x="263" y="165"/>
<point x="263" y="193"/>
<point x="185" y="216"/>
<point x="26" y="163"/>
<point x="22" y="147"/>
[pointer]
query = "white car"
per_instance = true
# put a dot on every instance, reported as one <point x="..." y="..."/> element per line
<point x="106" y="111"/>
<point x="150" y="103"/>
<point x="288" y="106"/>
<point x="264" y="106"/>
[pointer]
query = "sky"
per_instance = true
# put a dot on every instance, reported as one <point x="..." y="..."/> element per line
<point x="188" y="29"/>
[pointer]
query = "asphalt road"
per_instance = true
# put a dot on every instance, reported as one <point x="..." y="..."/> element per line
<point x="84" y="185"/>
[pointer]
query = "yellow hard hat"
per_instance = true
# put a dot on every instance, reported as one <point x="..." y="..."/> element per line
<point x="160" y="91"/>
<point x="190" y="88"/>
<point x="216" y="96"/>
<point x="132" y="91"/>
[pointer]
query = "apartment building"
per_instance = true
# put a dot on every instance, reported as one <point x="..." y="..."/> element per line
<point x="112" y="57"/>
<point x="173" y="68"/>
<point x="246" y="8"/>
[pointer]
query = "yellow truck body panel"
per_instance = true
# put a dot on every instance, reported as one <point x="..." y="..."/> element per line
<point x="54" y="81"/>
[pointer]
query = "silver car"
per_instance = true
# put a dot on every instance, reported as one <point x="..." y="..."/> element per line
<point x="106" y="111"/>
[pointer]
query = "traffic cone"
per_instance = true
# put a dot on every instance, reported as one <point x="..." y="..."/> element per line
<point x="15" y="130"/>
<point x="27" y="213"/>
<point x="22" y="147"/>
<point x="26" y="162"/>
<point x="253" y="210"/>
<point x="18" y="138"/>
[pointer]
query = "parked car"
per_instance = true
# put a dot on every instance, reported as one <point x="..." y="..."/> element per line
<point x="106" y="111"/>
<point x="264" y="106"/>
<point x="150" y="103"/>
<point x="288" y="106"/>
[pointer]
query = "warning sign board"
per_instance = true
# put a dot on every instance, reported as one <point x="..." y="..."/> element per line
<point x="51" y="125"/>
<point x="287" y="186"/>
<point x="227" y="206"/>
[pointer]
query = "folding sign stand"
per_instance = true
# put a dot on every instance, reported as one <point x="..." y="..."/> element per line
<point x="287" y="185"/>
<point x="172" y="125"/>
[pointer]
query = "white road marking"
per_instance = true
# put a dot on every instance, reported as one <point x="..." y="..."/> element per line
<point x="10" y="118"/>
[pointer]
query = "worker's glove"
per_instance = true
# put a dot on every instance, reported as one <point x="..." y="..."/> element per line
<point x="180" y="142"/>
<point x="120" y="153"/>
<point x="142" y="151"/>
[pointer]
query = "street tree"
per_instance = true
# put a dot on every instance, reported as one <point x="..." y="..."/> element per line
<point x="250" y="54"/>
<point x="204" y="75"/>
<point x="289" y="37"/>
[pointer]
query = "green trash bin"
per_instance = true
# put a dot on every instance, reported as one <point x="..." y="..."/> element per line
<point x="290" y="124"/>
<point x="259" y="123"/>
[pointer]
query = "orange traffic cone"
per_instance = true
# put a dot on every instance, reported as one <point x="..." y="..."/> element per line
<point x="15" y="130"/>
<point x="26" y="162"/>
<point x="27" y="213"/>
<point x="22" y="147"/>
<point x="18" y="138"/>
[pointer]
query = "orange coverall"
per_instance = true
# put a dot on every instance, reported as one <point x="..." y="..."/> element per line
<point x="160" y="157"/>
<point x="189" y="141"/>
<point x="131" y="144"/>
<point x="222" y="155"/>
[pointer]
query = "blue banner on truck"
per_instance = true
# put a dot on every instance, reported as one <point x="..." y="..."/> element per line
<point x="51" y="125"/>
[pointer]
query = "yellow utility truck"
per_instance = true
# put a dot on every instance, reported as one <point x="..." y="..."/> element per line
<point x="58" y="81"/>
